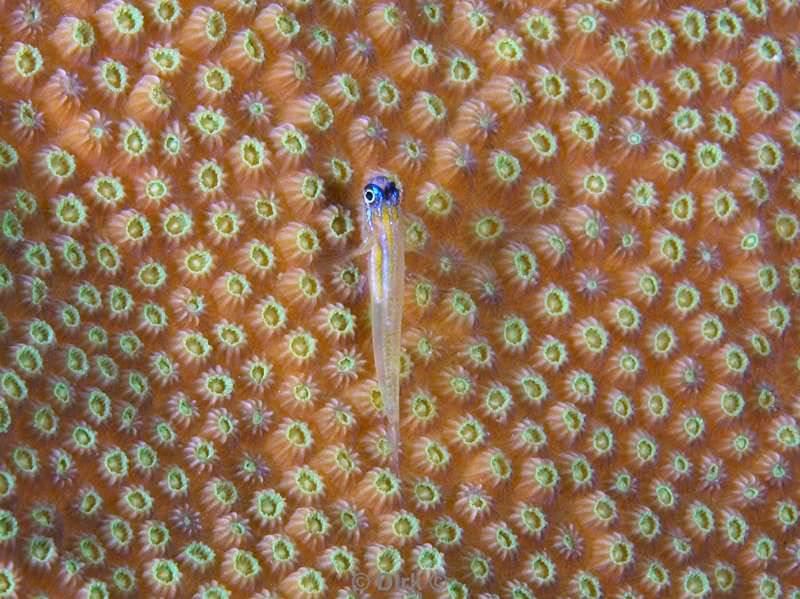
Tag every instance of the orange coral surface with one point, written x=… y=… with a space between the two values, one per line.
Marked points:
x=601 y=361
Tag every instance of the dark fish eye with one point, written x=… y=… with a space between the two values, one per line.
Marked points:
x=394 y=193
x=371 y=195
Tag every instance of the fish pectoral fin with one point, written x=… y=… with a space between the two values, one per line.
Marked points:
x=361 y=250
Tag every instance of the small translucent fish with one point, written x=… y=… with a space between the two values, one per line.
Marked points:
x=384 y=240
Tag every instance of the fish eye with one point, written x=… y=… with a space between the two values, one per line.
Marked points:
x=369 y=196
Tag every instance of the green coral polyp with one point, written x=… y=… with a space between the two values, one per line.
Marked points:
x=172 y=145
x=508 y=49
x=218 y=80
x=41 y=333
x=135 y=141
x=321 y=115
x=28 y=360
x=515 y=333
x=9 y=157
x=11 y=227
x=490 y=228
x=8 y=483
x=462 y=71
x=138 y=501
x=165 y=59
x=709 y=156
x=28 y=60
x=209 y=177
x=586 y=129
x=71 y=211
x=151 y=276
x=90 y=503
x=42 y=551
x=323 y=39
x=769 y=156
x=199 y=262
x=60 y=164
x=422 y=55
x=506 y=167
x=114 y=76
x=302 y=345
x=294 y=141
x=127 y=19
x=788 y=436
x=215 y=26
x=687 y=81
x=595 y=184
x=435 y=107
x=544 y=144
x=386 y=93
x=198 y=555
x=439 y=202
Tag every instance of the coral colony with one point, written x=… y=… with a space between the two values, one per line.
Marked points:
x=599 y=362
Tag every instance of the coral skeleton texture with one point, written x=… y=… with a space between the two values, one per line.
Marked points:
x=600 y=369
